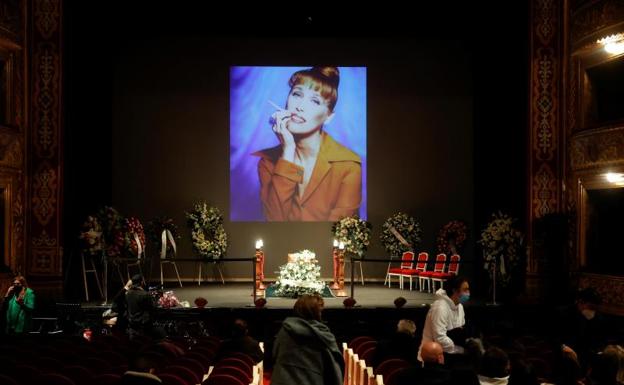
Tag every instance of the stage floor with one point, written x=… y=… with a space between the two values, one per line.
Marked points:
x=239 y=295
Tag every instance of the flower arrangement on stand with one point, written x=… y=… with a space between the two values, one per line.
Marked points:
x=112 y=230
x=354 y=232
x=452 y=237
x=502 y=247
x=407 y=227
x=91 y=236
x=301 y=275
x=168 y=300
x=154 y=231
x=132 y=226
x=207 y=232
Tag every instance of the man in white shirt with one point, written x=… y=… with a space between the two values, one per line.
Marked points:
x=446 y=315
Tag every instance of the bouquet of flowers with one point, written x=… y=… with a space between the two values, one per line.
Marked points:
x=207 y=232
x=155 y=229
x=406 y=227
x=354 y=232
x=502 y=246
x=451 y=237
x=168 y=300
x=112 y=229
x=91 y=236
x=132 y=226
x=300 y=276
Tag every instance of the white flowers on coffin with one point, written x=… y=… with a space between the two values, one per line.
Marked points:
x=301 y=275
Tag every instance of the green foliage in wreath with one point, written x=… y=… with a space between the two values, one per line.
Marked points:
x=408 y=227
x=207 y=233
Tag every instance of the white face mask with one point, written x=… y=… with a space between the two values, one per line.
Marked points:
x=588 y=313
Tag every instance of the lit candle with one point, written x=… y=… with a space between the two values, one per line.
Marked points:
x=341 y=245
x=259 y=244
x=335 y=243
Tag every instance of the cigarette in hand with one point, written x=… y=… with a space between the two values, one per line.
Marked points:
x=275 y=106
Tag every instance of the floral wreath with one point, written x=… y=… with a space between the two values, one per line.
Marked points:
x=452 y=237
x=354 y=232
x=91 y=236
x=132 y=227
x=302 y=275
x=155 y=228
x=207 y=233
x=112 y=230
x=502 y=245
x=407 y=227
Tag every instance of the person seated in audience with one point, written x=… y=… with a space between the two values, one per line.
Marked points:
x=402 y=344
x=495 y=367
x=19 y=302
x=305 y=350
x=604 y=368
x=445 y=319
x=241 y=342
x=580 y=329
x=140 y=372
x=141 y=308
x=432 y=372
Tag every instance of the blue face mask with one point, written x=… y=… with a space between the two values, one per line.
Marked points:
x=464 y=297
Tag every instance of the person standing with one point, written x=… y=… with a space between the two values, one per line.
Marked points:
x=20 y=303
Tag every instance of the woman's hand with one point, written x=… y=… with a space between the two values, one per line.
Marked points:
x=280 y=121
x=9 y=292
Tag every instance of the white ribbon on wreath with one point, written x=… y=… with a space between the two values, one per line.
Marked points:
x=140 y=249
x=166 y=234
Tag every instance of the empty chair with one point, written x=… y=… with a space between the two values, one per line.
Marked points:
x=234 y=372
x=364 y=346
x=172 y=379
x=421 y=267
x=389 y=366
x=368 y=354
x=357 y=341
x=223 y=379
x=438 y=268
x=54 y=379
x=184 y=373
x=452 y=270
x=240 y=356
x=407 y=263
x=191 y=364
x=236 y=363
x=105 y=379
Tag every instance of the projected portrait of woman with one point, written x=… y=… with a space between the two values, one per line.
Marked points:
x=308 y=175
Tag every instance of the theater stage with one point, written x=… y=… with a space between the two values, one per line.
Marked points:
x=239 y=295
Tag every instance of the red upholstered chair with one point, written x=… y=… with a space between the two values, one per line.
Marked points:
x=191 y=364
x=421 y=267
x=453 y=269
x=54 y=379
x=407 y=263
x=172 y=379
x=104 y=379
x=364 y=346
x=368 y=355
x=184 y=373
x=357 y=341
x=222 y=379
x=236 y=363
x=438 y=268
x=78 y=374
x=202 y=359
x=390 y=365
x=234 y=372
x=46 y=364
x=97 y=365
x=240 y=356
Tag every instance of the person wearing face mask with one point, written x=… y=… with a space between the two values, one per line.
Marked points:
x=445 y=319
x=580 y=329
x=309 y=176
x=20 y=303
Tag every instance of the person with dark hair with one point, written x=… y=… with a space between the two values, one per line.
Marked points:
x=580 y=330
x=604 y=367
x=305 y=351
x=309 y=176
x=140 y=372
x=495 y=367
x=141 y=308
x=241 y=342
x=445 y=319
x=19 y=302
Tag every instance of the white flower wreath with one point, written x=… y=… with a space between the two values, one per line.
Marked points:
x=207 y=232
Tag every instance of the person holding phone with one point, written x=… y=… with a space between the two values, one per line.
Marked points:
x=20 y=302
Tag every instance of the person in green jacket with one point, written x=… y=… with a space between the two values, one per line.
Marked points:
x=20 y=303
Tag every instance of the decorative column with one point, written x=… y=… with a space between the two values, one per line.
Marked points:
x=45 y=251
x=259 y=268
x=546 y=139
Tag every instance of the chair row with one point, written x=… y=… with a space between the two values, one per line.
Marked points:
x=357 y=372
x=441 y=272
